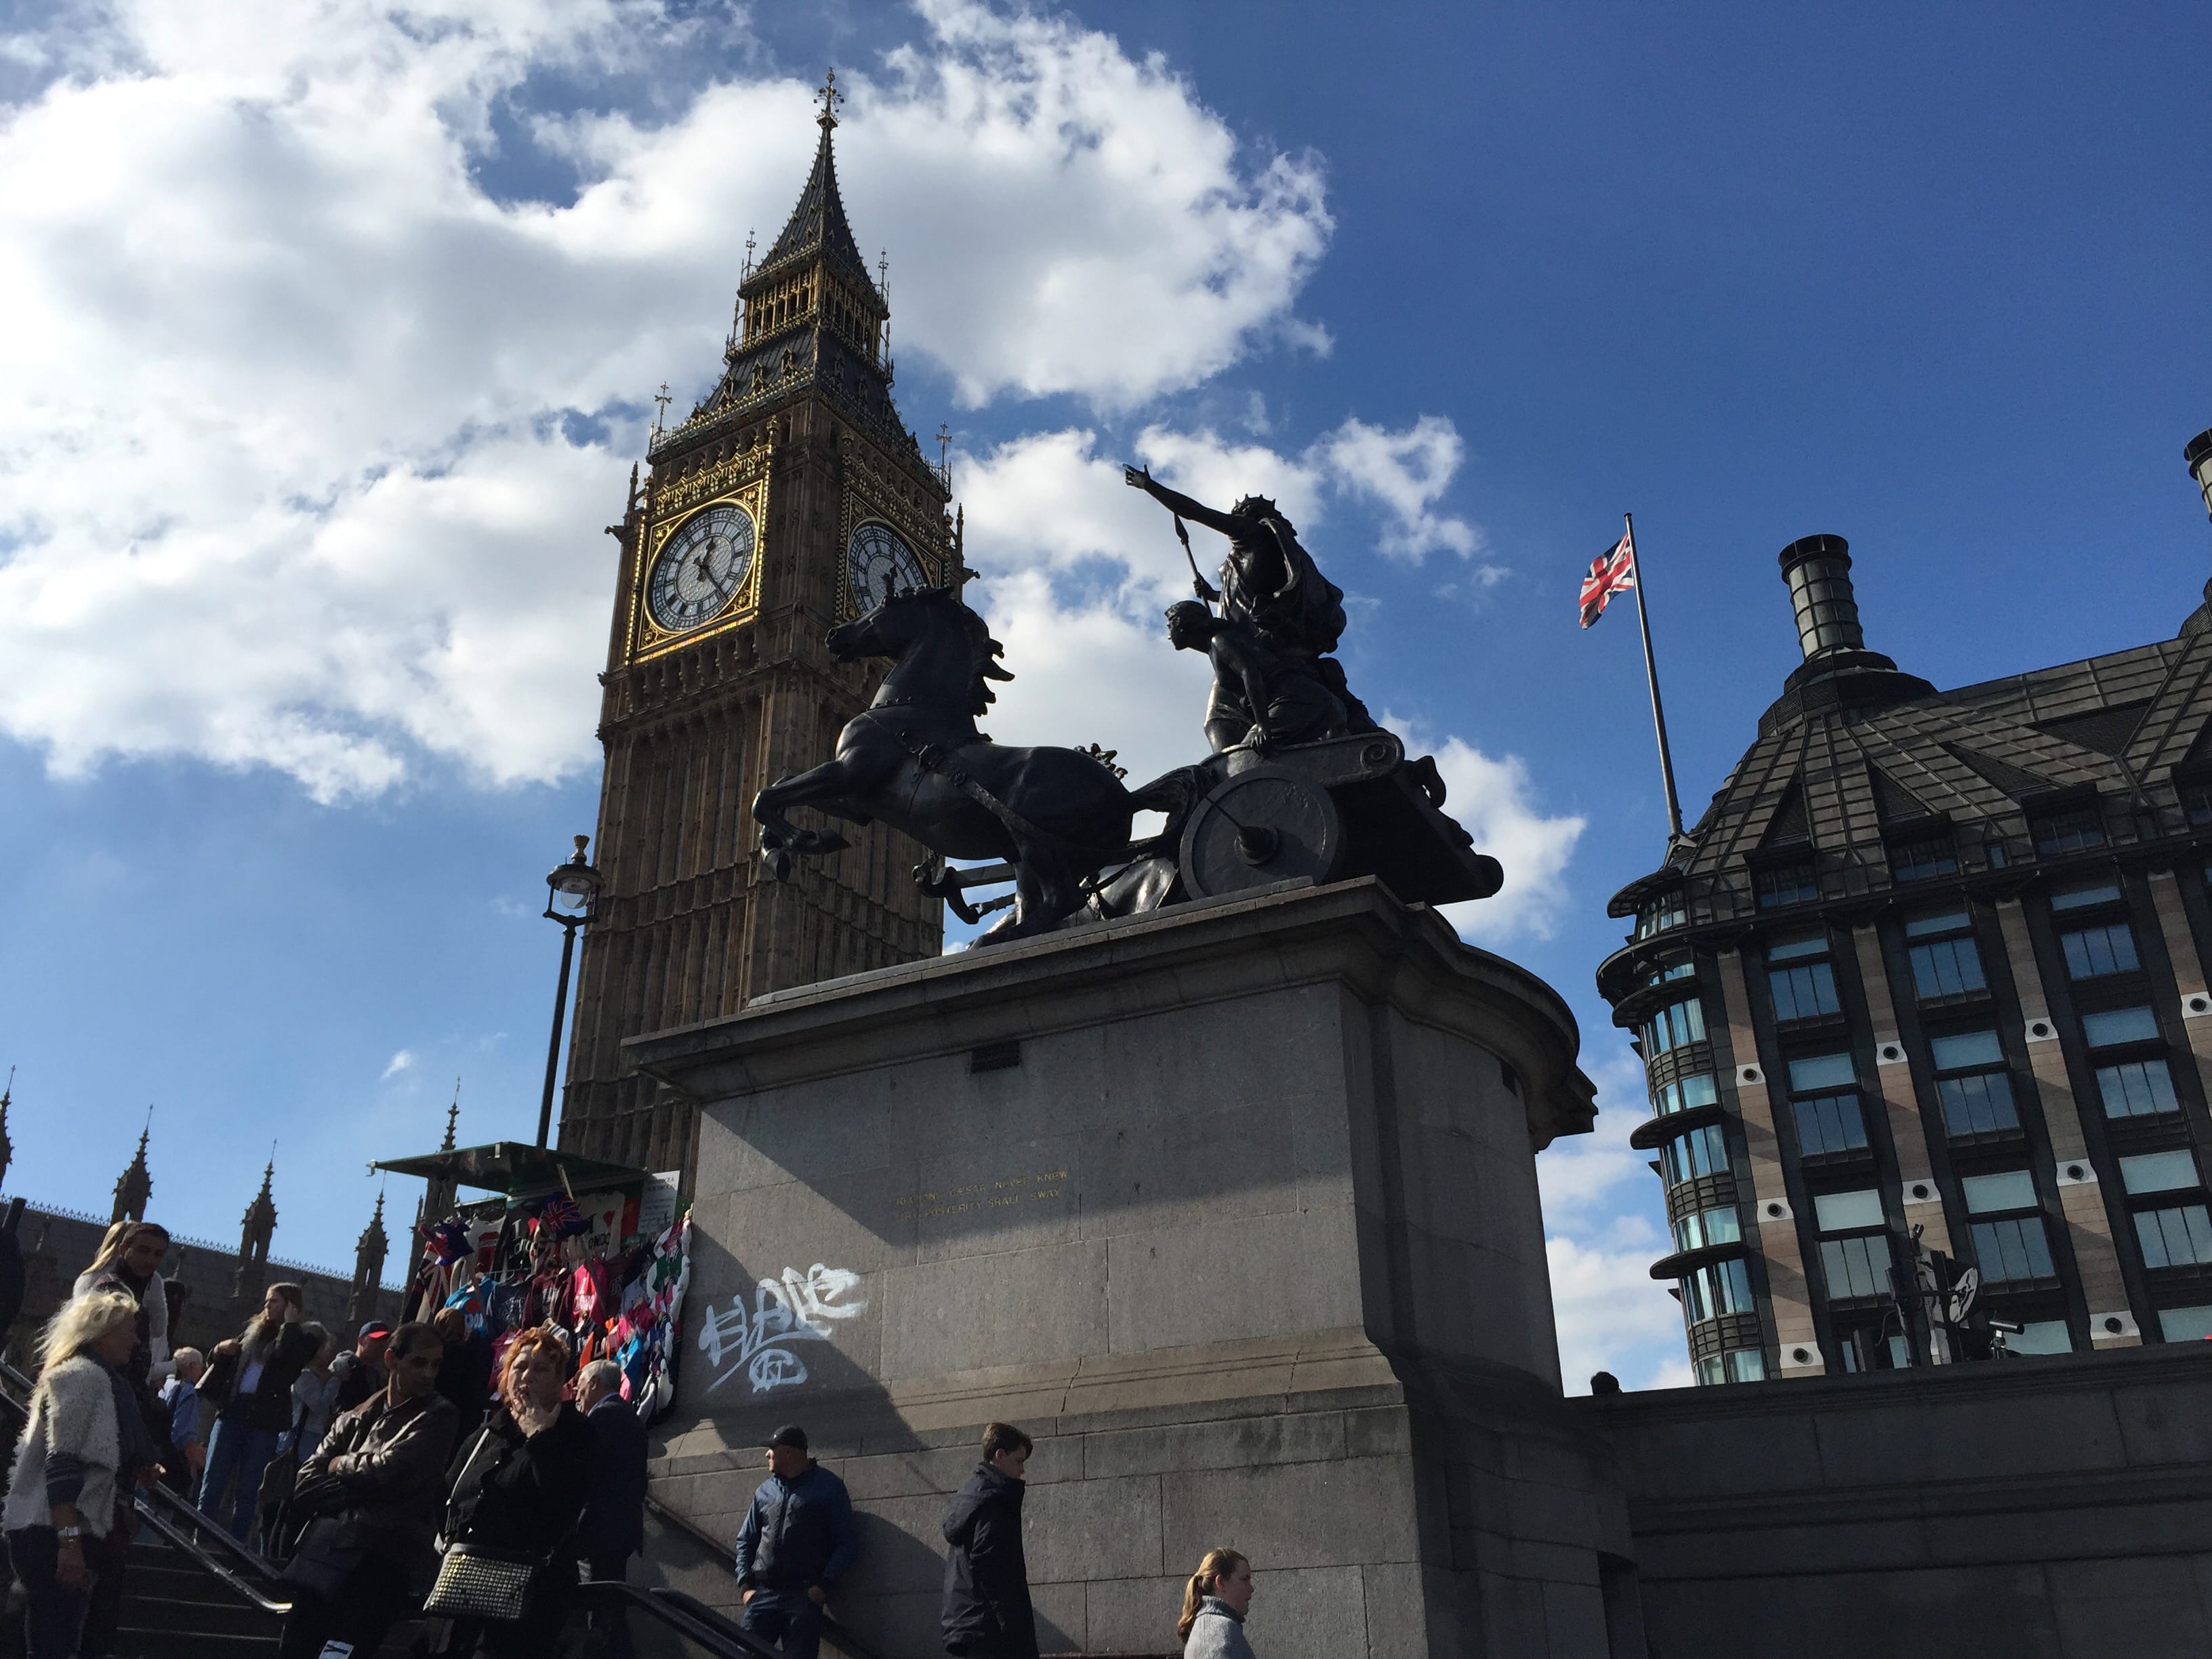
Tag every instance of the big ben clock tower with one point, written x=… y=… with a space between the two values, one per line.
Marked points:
x=790 y=493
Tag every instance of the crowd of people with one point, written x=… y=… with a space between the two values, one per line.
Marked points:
x=408 y=1475
x=418 y=1473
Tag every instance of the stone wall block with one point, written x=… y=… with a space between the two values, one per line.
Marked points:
x=1364 y=1504
x=1079 y=1529
x=1234 y=1442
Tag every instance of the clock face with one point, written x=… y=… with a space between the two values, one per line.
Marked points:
x=701 y=568
x=877 y=552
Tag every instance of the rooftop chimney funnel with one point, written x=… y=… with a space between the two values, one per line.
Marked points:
x=2198 y=455
x=1818 y=571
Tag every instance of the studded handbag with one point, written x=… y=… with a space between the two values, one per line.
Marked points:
x=476 y=1582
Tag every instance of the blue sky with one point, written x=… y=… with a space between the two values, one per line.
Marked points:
x=337 y=326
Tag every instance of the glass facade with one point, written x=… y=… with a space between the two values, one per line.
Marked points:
x=1684 y=1094
x=2137 y=1088
x=2110 y=948
x=1736 y=1365
x=1717 y=1288
x=1718 y=1225
x=1778 y=884
x=2178 y=1236
x=1703 y=1151
x=2012 y=1250
x=1672 y=1026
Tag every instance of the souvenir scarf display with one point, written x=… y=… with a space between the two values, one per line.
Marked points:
x=577 y=1264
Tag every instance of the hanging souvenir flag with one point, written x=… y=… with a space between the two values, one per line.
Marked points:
x=561 y=1216
x=448 y=1241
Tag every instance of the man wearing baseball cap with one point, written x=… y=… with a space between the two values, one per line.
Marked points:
x=797 y=1542
x=360 y=1373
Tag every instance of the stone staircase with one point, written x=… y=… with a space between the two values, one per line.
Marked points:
x=174 y=1609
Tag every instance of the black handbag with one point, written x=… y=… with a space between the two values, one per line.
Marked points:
x=329 y=1551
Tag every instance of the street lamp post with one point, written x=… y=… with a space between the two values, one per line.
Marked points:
x=569 y=890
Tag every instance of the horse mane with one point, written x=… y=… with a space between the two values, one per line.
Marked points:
x=983 y=651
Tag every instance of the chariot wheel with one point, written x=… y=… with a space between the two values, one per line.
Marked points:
x=1263 y=826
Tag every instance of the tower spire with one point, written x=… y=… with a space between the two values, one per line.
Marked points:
x=369 y=1266
x=258 y=1228
x=135 y=1186
x=7 y=1146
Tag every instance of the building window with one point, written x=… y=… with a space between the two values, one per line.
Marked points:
x=1855 y=1268
x=1873 y=1349
x=2106 y=892
x=2178 y=1237
x=2040 y=1336
x=1685 y=1093
x=2070 y=830
x=2008 y=1189
x=1656 y=915
x=1976 y=1102
x=1804 y=990
x=1669 y=968
x=1718 y=1225
x=1842 y=1212
x=1945 y=962
x=2197 y=802
x=1717 y=1288
x=2185 y=1324
x=1778 y=884
x=2137 y=1088
x=1829 y=1123
x=1672 y=1026
x=1736 y=1365
x=2159 y=1172
x=1822 y=1072
x=2112 y=1027
x=1922 y=857
x=2012 y=1249
x=1703 y=1151
x=2110 y=948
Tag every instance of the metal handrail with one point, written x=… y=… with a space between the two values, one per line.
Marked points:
x=183 y=1541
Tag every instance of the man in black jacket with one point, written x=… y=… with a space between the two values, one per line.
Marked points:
x=986 y=1577
x=796 y=1543
x=613 y=1527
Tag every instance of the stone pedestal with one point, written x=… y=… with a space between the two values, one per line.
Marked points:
x=1234 y=1209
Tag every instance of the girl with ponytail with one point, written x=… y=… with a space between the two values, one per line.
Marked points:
x=1214 y=1603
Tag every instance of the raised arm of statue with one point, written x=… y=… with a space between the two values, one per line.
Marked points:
x=1174 y=500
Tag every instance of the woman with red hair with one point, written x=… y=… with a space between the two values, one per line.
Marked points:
x=518 y=1489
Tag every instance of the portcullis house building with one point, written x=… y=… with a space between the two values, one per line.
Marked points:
x=1922 y=1003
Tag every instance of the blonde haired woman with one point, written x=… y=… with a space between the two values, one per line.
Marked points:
x=83 y=1445
x=1214 y=1603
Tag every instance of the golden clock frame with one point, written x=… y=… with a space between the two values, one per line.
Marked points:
x=740 y=482
x=868 y=494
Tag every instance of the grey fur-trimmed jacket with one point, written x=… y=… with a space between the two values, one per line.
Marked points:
x=72 y=1412
x=1217 y=1633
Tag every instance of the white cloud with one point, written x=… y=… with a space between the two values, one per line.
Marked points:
x=1405 y=473
x=286 y=480
x=1604 y=1229
x=402 y=1062
x=1495 y=799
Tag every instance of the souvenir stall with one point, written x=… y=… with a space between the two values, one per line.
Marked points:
x=599 y=1251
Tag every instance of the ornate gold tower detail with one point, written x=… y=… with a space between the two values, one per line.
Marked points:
x=782 y=505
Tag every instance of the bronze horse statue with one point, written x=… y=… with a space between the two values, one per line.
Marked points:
x=914 y=759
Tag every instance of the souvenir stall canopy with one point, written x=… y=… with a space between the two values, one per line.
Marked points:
x=599 y=1251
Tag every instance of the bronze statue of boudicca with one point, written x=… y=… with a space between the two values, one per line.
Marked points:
x=1299 y=785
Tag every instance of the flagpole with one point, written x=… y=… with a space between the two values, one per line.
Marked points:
x=1651 y=674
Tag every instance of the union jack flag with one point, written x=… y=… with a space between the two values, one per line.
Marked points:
x=562 y=1218
x=1612 y=572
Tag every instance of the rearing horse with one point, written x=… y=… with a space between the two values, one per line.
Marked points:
x=914 y=759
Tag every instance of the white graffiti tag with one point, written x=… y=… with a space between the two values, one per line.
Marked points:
x=796 y=1308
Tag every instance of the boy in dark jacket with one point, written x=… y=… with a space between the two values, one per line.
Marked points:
x=796 y=1543
x=986 y=1577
